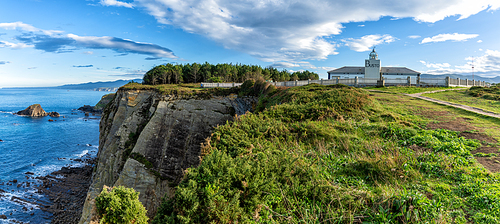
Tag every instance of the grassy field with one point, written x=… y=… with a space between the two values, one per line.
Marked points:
x=462 y=97
x=336 y=154
x=407 y=89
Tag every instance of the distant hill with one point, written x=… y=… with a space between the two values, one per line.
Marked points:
x=98 y=86
x=454 y=76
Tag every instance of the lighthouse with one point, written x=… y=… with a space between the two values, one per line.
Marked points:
x=372 y=66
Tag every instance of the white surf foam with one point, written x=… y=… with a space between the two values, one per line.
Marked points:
x=84 y=152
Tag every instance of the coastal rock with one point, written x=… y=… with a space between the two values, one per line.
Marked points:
x=54 y=114
x=34 y=110
x=3 y=217
x=98 y=108
x=147 y=141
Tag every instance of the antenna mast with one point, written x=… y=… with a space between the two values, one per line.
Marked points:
x=472 y=68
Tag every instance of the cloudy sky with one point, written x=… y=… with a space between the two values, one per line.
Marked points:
x=55 y=42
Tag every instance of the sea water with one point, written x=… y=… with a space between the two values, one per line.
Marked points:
x=41 y=146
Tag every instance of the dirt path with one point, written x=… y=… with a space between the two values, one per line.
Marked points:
x=460 y=106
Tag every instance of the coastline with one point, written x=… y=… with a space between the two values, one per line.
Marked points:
x=67 y=189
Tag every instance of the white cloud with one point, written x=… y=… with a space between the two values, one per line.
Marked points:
x=435 y=65
x=58 y=42
x=122 y=45
x=4 y=62
x=448 y=36
x=14 y=45
x=361 y=25
x=27 y=27
x=487 y=63
x=479 y=41
x=116 y=3
x=284 y=65
x=88 y=52
x=365 y=43
x=277 y=30
x=414 y=36
x=463 y=8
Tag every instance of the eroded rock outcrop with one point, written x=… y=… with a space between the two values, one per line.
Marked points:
x=36 y=110
x=98 y=108
x=148 y=140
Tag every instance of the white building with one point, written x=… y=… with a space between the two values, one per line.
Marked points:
x=373 y=70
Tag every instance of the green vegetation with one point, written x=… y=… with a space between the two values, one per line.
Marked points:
x=335 y=154
x=489 y=93
x=193 y=73
x=104 y=101
x=121 y=205
x=408 y=89
x=467 y=98
x=184 y=89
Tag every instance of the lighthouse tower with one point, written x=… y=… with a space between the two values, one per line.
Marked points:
x=372 y=66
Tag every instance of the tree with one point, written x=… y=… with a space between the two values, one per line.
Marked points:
x=121 y=205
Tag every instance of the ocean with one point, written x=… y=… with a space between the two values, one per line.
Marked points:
x=40 y=146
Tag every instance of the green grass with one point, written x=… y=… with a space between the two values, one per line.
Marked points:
x=335 y=154
x=462 y=97
x=184 y=89
x=407 y=89
x=490 y=93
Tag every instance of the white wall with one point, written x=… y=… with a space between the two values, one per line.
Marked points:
x=372 y=68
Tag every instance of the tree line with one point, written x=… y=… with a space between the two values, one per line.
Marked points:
x=193 y=73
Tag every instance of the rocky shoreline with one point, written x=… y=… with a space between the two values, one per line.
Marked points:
x=67 y=189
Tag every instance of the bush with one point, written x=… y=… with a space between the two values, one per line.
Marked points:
x=120 y=205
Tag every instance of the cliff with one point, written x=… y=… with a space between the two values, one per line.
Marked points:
x=148 y=139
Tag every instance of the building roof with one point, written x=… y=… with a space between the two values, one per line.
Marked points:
x=348 y=69
x=361 y=70
x=397 y=70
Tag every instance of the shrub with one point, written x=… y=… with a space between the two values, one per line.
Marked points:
x=121 y=205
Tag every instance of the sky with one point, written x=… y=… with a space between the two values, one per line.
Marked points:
x=56 y=42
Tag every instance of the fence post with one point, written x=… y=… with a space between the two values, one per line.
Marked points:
x=356 y=81
x=447 y=81
x=418 y=81
x=321 y=81
x=295 y=82
x=309 y=81
x=458 y=82
x=466 y=82
x=233 y=84
x=218 y=84
x=338 y=79
x=409 y=80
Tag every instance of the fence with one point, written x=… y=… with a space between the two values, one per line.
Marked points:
x=362 y=82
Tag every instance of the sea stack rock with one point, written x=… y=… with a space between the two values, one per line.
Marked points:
x=34 y=110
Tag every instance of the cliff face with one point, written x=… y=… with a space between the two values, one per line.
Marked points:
x=147 y=140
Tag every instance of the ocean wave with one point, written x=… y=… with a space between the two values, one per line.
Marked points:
x=47 y=169
x=7 y=112
x=82 y=154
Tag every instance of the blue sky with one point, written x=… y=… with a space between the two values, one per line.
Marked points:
x=55 y=42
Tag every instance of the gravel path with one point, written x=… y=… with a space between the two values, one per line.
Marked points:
x=460 y=106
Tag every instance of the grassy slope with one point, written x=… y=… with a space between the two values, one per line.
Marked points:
x=406 y=89
x=463 y=97
x=326 y=154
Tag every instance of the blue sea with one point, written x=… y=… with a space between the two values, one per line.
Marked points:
x=39 y=146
